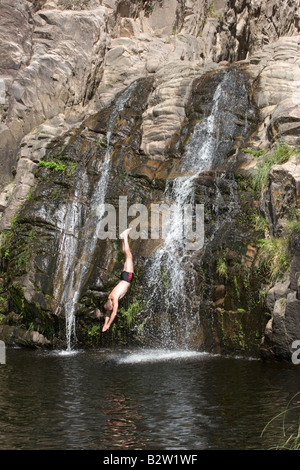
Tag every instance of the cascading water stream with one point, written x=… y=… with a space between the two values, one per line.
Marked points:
x=79 y=233
x=69 y=222
x=170 y=272
x=77 y=246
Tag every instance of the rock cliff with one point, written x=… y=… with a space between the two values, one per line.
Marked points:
x=64 y=75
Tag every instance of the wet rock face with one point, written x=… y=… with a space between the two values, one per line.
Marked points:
x=234 y=114
x=56 y=232
x=56 y=255
x=122 y=78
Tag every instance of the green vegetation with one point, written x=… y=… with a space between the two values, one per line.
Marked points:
x=293 y=226
x=53 y=165
x=291 y=432
x=280 y=155
x=235 y=336
x=102 y=144
x=130 y=314
x=127 y=321
x=274 y=252
x=222 y=268
x=211 y=9
x=17 y=295
x=236 y=287
x=93 y=332
x=275 y=256
x=293 y=220
x=258 y=222
x=256 y=153
x=5 y=239
x=58 y=166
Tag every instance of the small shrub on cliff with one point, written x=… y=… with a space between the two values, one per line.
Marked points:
x=52 y=165
x=259 y=223
x=280 y=155
x=255 y=153
x=211 y=10
x=293 y=220
x=294 y=226
x=275 y=256
x=69 y=168
x=222 y=268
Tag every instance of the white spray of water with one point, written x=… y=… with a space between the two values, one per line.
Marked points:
x=159 y=355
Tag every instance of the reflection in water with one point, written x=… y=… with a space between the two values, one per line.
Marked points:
x=149 y=400
x=122 y=425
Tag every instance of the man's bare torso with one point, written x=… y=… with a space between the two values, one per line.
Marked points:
x=119 y=290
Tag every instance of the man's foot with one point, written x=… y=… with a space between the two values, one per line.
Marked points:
x=125 y=233
x=105 y=328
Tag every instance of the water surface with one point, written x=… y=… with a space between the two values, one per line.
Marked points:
x=134 y=400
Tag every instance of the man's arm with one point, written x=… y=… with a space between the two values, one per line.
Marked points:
x=114 y=311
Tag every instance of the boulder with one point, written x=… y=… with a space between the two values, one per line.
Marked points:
x=18 y=336
x=282 y=194
x=283 y=329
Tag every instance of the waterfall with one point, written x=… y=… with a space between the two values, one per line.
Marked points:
x=78 y=226
x=169 y=273
x=78 y=244
x=69 y=221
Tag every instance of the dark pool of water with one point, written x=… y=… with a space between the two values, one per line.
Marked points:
x=135 y=400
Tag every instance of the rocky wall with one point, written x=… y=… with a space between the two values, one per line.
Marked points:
x=64 y=70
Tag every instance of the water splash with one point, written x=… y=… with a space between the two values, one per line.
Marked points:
x=159 y=355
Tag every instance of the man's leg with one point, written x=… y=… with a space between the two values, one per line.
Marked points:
x=128 y=265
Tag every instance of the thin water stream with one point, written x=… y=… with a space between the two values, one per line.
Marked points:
x=79 y=231
x=142 y=400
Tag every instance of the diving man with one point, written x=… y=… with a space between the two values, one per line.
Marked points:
x=111 y=306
